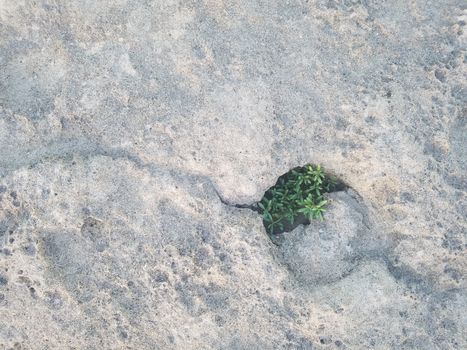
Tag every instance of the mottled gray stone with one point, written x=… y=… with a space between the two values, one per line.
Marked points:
x=131 y=129
x=324 y=251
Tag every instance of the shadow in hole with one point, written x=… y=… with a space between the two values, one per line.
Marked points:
x=300 y=219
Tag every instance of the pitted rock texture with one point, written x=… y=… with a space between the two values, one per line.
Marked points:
x=326 y=251
x=129 y=130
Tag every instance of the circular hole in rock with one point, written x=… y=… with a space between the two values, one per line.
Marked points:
x=297 y=198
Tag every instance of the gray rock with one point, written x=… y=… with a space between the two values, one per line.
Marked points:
x=131 y=130
x=324 y=251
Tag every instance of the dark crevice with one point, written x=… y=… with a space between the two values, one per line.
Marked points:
x=330 y=183
x=334 y=185
x=228 y=204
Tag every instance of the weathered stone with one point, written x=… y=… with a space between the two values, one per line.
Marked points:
x=324 y=251
x=129 y=130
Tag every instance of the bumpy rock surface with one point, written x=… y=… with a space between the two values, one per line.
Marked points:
x=327 y=251
x=130 y=129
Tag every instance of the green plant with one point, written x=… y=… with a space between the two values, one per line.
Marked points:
x=297 y=193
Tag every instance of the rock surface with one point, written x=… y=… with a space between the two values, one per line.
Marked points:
x=326 y=251
x=130 y=129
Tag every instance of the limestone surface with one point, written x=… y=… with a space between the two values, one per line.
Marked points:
x=135 y=133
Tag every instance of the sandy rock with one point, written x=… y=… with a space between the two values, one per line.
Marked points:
x=327 y=251
x=131 y=130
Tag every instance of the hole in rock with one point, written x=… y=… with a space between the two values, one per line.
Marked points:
x=298 y=197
